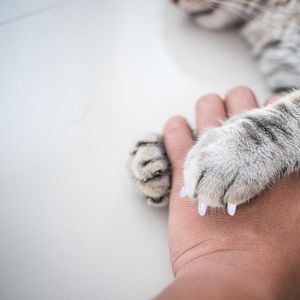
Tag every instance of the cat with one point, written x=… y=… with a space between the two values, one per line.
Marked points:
x=233 y=163
x=271 y=27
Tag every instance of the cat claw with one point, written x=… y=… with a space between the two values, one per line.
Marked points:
x=201 y=208
x=183 y=192
x=231 y=209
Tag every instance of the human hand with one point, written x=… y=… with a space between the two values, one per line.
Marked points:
x=258 y=249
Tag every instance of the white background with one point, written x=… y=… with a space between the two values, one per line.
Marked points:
x=79 y=81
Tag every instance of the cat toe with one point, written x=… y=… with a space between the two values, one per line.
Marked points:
x=223 y=169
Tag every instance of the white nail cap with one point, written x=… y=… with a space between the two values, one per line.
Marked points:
x=231 y=209
x=183 y=192
x=201 y=208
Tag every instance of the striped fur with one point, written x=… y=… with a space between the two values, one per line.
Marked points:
x=237 y=161
x=247 y=154
x=271 y=27
x=150 y=169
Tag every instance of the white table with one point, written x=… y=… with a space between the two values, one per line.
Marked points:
x=79 y=80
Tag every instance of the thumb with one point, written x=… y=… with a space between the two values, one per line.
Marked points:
x=183 y=217
x=178 y=140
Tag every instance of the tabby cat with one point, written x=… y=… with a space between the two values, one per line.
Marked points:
x=231 y=164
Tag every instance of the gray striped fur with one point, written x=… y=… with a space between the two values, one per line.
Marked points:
x=237 y=161
x=271 y=27
x=247 y=154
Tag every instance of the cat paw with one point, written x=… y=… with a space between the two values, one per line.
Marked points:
x=150 y=169
x=230 y=165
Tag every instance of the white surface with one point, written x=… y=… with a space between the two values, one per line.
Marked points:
x=78 y=82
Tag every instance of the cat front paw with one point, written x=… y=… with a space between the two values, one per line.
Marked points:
x=150 y=169
x=230 y=165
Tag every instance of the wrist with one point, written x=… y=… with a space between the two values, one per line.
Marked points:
x=217 y=277
x=233 y=274
x=238 y=273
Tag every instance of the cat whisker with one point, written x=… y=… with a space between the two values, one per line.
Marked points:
x=238 y=11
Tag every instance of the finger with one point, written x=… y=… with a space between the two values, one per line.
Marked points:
x=210 y=112
x=182 y=214
x=239 y=99
x=178 y=140
x=271 y=100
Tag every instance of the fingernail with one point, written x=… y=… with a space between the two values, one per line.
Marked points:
x=183 y=192
x=201 y=208
x=231 y=209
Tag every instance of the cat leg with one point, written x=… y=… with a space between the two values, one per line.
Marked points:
x=150 y=169
x=234 y=163
x=275 y=41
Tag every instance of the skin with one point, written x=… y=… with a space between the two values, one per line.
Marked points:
x=253 y=255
